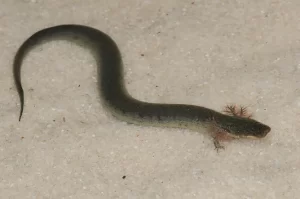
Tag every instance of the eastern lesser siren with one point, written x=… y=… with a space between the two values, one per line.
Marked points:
x=115 y=96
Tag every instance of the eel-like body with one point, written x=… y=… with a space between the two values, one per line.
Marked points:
x=115 y=96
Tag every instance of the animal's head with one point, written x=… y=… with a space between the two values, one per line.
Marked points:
x=242 y=127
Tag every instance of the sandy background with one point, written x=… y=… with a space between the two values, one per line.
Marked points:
x=207 y=53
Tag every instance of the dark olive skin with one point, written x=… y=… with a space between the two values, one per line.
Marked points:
x=115 y=96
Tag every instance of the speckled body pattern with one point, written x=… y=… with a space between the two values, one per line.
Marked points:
x=116 y=98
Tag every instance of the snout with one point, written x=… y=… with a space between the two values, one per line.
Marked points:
x=265 y=131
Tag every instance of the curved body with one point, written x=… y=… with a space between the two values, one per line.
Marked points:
x=115 y=96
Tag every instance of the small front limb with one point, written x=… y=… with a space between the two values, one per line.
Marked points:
x=218 y=145
x=218 y=136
